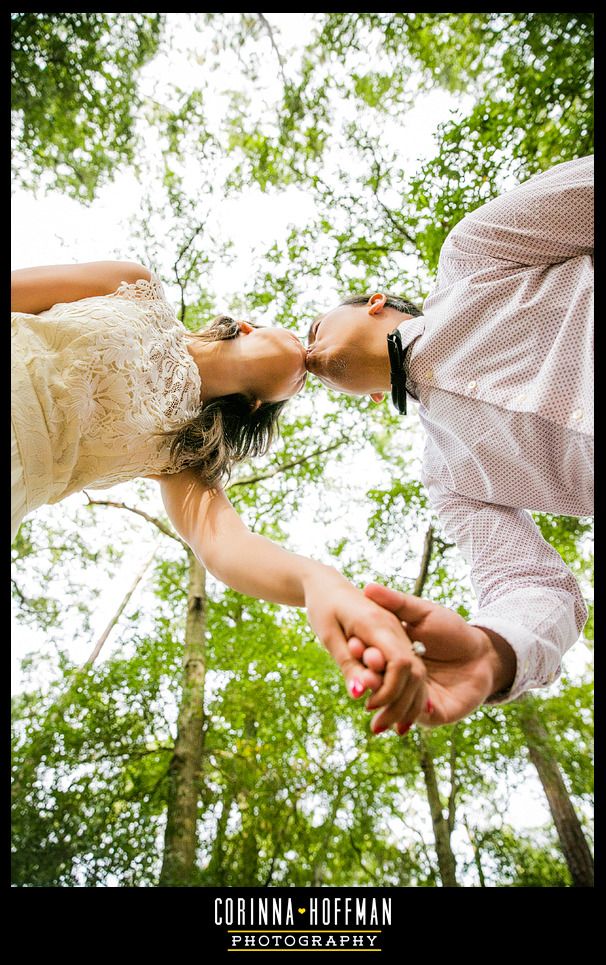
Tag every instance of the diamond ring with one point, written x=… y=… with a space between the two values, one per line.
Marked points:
x=419 y=648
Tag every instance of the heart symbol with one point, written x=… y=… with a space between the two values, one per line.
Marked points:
x=301 y=911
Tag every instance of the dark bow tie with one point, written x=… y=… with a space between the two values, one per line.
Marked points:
x=398 y=370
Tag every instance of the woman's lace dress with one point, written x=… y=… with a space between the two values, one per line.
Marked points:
x=93 y=381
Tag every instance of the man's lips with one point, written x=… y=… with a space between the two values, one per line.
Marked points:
x=309 y=360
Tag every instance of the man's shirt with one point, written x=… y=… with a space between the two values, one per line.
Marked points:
x=502 y=366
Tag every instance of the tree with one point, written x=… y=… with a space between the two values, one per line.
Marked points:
x=180 y=839
x=74 y=96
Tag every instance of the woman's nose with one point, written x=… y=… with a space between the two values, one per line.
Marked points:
x=300 y=347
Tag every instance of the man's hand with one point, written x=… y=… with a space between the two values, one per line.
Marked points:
x=336 y=611
x=464 y=664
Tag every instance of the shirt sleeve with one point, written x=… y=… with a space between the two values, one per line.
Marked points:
x=525 y=591
x=544 y=220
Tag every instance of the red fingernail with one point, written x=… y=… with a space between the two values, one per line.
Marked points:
x=379 y=730
x=429 y=707
x=356 y=689
x=404 y=728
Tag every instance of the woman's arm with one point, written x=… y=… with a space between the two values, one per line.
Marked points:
x=35 y=290
x=247 y=562
x=336 y=610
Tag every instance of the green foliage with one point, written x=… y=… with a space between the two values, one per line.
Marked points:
x=89 y=759
x=38 y=554
x=515 y=860
x=529 y=77
x=74 y=95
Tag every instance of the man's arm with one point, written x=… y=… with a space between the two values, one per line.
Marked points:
x=527 y=596
x=544 y=220
x=35 y=290
x=530 y=610
x=336 y=610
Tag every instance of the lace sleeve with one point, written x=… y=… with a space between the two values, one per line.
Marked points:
x=142 y=290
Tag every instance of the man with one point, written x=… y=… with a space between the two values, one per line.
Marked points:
x=501 y=364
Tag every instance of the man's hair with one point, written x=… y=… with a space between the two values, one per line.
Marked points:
x=225 y=430
x=391 y=301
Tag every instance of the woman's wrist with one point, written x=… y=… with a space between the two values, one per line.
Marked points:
x=315 y=575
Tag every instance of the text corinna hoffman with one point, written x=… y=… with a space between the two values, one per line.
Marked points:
x=307 y=913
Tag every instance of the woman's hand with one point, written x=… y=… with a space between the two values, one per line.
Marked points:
x=336 y=611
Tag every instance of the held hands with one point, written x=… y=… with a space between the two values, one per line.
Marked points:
x=464 y=664
x=338 y=612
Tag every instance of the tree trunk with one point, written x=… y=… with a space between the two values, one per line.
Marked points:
x=214 y=873
x=446 y=859
x=180 y=838
x=572 y=840
x=447 y=865
x=319 y=862
x=477 y=857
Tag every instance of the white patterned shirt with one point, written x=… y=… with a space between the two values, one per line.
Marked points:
x=502 y=366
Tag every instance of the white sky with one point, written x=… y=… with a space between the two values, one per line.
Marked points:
x=54 y=229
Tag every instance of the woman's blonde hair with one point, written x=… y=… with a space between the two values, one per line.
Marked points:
x=226 y=430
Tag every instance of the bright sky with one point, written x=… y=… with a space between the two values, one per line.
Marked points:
x=53 y=229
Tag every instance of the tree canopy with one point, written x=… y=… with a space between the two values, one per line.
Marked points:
x=75 y=97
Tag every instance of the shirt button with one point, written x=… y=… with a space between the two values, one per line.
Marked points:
x=472 y=386
x=428 y=375
x=526 y=666
x=577 y=415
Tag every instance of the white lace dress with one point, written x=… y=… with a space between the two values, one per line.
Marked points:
x=93 y=383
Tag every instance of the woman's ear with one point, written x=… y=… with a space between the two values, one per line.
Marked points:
x=256 y=405
x=245 y=328
x=376 y=302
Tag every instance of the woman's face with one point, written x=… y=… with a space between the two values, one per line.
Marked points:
x=275 y=360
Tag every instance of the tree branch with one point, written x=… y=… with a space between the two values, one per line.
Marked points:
x=372 y=875
x=453 y=782
x=476 y=852
x=138 y=512
x=349 y=249
x=180 y=254
x=187 y=245
x=114 y=620
x=393 y=220
x=427 y=548
x=268 y=27
x=375 y=190
x=19 y=593
x=250 y=480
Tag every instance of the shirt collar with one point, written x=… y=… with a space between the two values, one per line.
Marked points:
x=411 y=329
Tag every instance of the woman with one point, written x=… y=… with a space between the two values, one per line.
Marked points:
x=108 y=385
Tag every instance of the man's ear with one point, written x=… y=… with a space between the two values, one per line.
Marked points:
x=245 y=328
x=376 y=302
x=377 y=396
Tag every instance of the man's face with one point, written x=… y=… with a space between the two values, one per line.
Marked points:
x=342 y=344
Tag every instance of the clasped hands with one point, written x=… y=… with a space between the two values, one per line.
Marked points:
x=369 y=635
